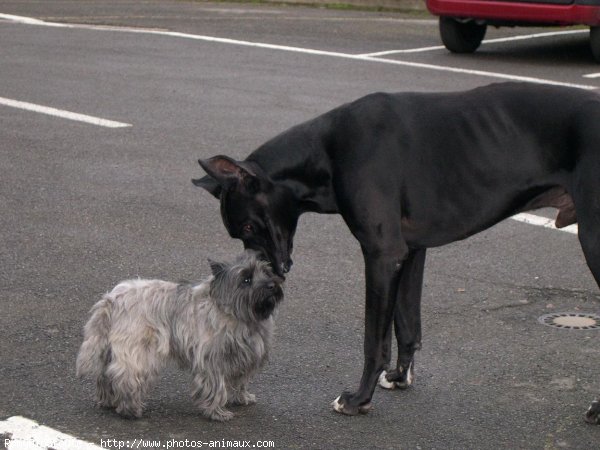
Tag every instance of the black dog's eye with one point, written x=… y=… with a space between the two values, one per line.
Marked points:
x=247 y=280
x=248 y=228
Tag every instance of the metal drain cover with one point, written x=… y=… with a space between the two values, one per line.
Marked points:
x=571 y=321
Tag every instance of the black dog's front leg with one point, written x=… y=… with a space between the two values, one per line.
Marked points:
x=407 y=323
x=382 y=273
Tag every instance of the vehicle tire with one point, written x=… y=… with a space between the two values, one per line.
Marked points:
x=595 y=42
x=461 y=37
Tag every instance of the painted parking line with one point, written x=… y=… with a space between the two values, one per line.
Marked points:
x=522 y=37
x=22 y=19
x=523 y=217
x=20 y=433
x=525 y=37
x=308 y=51
x=62 y=113
x=544 y=222
x=402 y=51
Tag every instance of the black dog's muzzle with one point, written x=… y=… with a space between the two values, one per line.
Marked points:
x=286 y=266
x=279 y=268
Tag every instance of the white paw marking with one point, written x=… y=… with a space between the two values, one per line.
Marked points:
x=384 y=383
x=337 y=406
x=410 y=376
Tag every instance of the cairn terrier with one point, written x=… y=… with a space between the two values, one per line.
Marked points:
x=219 y=329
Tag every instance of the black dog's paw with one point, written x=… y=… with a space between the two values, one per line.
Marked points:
x=397 y=379
x=345 y=404
x=593 y=413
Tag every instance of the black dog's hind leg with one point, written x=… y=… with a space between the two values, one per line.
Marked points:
x=585 y=196
x=407 y=323
x=589 y=236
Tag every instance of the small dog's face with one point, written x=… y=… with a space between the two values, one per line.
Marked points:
x=247 y=288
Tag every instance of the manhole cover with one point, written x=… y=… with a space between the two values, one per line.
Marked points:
x=571 y=321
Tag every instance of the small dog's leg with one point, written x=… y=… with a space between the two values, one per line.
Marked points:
x=128 y=388
x=243 y=398
x=210 y=396
x=104 y=392
x=129 y=407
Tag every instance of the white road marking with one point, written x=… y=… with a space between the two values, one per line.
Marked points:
x=407 y=50
x=524 y=37
x=62 y=113
x=592 y=75
x=481 y=73
x=540 y=221
x=523 y=217
x=20 y=433
x=487 y=41
x=25 y=20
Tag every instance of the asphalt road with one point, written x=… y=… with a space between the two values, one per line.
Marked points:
x=85 y=206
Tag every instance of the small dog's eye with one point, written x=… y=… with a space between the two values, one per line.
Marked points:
x=248 y=228
x=247 y=280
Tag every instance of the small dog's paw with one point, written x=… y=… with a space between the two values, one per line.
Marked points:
x=129 y=412
x=247 y=399
x=105 y=404
x=593 y=413
x=342 y=406
x=243 y=399
x=220 y=415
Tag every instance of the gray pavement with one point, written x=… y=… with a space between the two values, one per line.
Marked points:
x=85 y=206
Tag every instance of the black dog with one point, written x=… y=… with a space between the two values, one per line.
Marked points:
x=411 y=171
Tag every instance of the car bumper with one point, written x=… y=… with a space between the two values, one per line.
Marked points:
x=586 y=12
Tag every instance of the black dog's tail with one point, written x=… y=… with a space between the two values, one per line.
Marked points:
x=94 y=353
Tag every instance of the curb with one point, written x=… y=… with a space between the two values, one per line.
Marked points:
x=377 y=5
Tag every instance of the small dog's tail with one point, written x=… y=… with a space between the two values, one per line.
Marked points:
x=94 y=353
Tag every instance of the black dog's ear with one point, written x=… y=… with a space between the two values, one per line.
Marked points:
x=216 y=268
x=227 y=171
x=224 y=169
x=210 y=184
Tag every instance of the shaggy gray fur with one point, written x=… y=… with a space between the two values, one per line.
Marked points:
x=219 y=329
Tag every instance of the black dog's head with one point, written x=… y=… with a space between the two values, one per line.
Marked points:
x=261 y=213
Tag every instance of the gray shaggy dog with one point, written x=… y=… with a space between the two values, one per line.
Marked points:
x=219 y=329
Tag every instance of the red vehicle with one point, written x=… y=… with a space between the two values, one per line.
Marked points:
x=463 y=22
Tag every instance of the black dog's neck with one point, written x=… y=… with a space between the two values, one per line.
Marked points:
x=305 y=170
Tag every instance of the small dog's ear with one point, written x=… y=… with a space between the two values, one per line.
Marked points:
x=217 y=268
x=210 y=184
x=227 y=171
